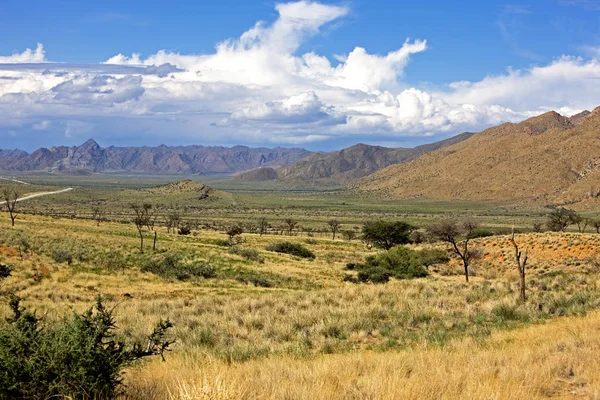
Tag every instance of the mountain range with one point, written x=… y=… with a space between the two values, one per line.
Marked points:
x=549 y=159
x=347 y=165
x=160 y=160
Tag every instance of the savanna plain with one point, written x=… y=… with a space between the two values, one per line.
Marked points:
x=277 y=293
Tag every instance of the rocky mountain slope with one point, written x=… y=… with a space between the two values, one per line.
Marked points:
x=352 y=163
x=159 y=160
x=546 y=159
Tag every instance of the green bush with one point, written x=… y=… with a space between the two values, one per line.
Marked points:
x=295 y=249
x=431 y=257
x=62 y=256
x=248 y=254
x=480 y=232
x=77 y=358
x=5 y=271
x=171 y=266
x=399 y=262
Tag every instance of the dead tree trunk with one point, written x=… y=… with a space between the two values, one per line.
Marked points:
x=521 y=263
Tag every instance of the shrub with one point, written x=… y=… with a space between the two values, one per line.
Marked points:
x=170 y=266
x=295 y=249
x=431 y=257
x=399 y=262
x=62 y=256
x=482 y=232
x=386 y=234
x=75 y=358
x=184 y=230
x=5 y=271
x=248 y=254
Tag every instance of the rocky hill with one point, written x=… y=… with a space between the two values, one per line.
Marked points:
x=261 y=174
x=160 y=160
x=546 y=159
x=347 y=165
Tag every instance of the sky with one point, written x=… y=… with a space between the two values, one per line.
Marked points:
x=319 y=75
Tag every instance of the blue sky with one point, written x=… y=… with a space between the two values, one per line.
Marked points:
x=319 y=75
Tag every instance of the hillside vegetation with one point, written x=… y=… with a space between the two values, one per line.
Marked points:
x=548 y=159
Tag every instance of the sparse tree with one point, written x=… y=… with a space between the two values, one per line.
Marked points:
x=537 y=227
x=233 y=232
x=10 y=197
x=560 y=219
x=172 y=220
x=334 y=227
x=596 y=225
x=386 y=234
x=291 y=224
x=581 y=222
x=263 y=226
x=98 y=214
x=521 y=264
x=458 y=236
x=349 y=235
x=142 y=220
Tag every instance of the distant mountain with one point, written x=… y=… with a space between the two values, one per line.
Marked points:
x=160 y=160
x=347 y=165
x=548 y=159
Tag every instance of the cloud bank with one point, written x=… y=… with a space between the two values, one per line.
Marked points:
x=258 y=89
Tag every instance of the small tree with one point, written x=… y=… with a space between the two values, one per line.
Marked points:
x=10 y=197
x=581 y=222
x=172 y=220
x=98 y=214
x=349 y=235
x=386 y=234
x=560 y=219
x=263 y=226
x=334 y=227
x=596 y=225
x=233 y=232
x=521 y=264
x=142 y=220
x=458 y=236
x=290 y=224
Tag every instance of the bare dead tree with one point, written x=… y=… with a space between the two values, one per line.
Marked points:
x=10 y=197
x=521 y=264
x=98 y=214
x=458 y=236
x=334 y=227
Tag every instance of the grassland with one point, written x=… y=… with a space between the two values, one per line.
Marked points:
x=274 y=326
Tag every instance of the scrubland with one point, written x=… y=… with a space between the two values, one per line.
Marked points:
x=251 y=323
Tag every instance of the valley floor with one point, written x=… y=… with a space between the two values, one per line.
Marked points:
x=255 y=324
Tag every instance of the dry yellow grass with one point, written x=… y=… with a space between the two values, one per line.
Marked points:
x=555 y=360
x=429 y=338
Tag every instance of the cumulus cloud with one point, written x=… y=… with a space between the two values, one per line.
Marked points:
x=257 y=89
x=28 y=56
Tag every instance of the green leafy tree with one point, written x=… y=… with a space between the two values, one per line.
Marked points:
x=560 y=219
x=386 y=234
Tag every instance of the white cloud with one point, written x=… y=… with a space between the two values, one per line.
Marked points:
x=257 y=89
x=28 y=56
